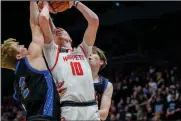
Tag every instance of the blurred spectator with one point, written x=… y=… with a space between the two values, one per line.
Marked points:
x=143 y=95
x=10 y=111
x=152 y=95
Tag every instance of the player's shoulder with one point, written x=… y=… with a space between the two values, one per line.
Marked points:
x=109 y=85
x=50 y=45
x=104 y=79
x=84 y=49
x=77 y=51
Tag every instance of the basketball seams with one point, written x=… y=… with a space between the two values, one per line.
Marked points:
x=54 y=4
x=59 y=6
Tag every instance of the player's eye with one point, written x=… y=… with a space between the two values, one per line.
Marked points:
x=22 y=46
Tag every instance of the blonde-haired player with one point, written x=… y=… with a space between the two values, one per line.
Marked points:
x=71 y=65
x=103 y=87
x=34 y=86
x=11 y=51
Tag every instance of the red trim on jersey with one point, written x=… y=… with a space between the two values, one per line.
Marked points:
x=72 y=49
x=83 y=50
x=62 y=119
x=57 y=56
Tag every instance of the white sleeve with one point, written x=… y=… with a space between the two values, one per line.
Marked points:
x=87 y=50
x=50 y=51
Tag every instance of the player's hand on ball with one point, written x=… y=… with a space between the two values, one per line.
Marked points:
x=71 y=3
x=51 y=10
x=40 y=6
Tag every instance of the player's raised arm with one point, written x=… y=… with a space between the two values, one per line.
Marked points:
x=34 y=13
x=40 y=6
x=52 y=25
x=44 y=21
x=93 y=23
x=35 y=47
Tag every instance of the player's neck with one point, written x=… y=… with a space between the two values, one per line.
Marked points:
x=95 y=75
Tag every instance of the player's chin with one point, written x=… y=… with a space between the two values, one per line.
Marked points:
x=63 y=38
x=91 y=63
x=60 y=42
x=25 y=52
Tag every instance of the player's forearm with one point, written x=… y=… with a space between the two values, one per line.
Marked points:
x=34 y=12
x=52 y=25
x=89 y=15
x=103 y=114
x=44 y=19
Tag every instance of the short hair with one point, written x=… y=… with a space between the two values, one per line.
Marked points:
x=101 y=54
x=8 y=53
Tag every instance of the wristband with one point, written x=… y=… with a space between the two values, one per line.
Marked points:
x=76 y=3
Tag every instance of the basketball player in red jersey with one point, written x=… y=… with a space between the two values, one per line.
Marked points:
x=103 y=88
x=71 y=65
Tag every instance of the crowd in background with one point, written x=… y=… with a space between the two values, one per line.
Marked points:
x=11 y=110
x=147 y=95
x=142 y=95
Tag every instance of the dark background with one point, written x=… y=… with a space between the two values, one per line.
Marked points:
x=131 y=33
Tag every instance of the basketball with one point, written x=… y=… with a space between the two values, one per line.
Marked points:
x=57 y=6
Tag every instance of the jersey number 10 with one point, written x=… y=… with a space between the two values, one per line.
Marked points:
x=76 y=68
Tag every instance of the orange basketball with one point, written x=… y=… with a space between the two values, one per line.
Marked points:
x=57 y=6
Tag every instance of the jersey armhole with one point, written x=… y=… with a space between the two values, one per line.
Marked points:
x=82 y=50
x=56 y=61
x=15 y=95
x=106 y=83
x=86 y=49
x=49 y=45
x=17 y=65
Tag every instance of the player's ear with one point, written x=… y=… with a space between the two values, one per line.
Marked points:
x=101 y=62
x=18 y=56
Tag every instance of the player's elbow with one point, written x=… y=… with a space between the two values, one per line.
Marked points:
x=104 y=115
x=94 y=21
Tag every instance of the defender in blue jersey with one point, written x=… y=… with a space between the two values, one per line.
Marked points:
x=34 y=86
x=103 y=88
